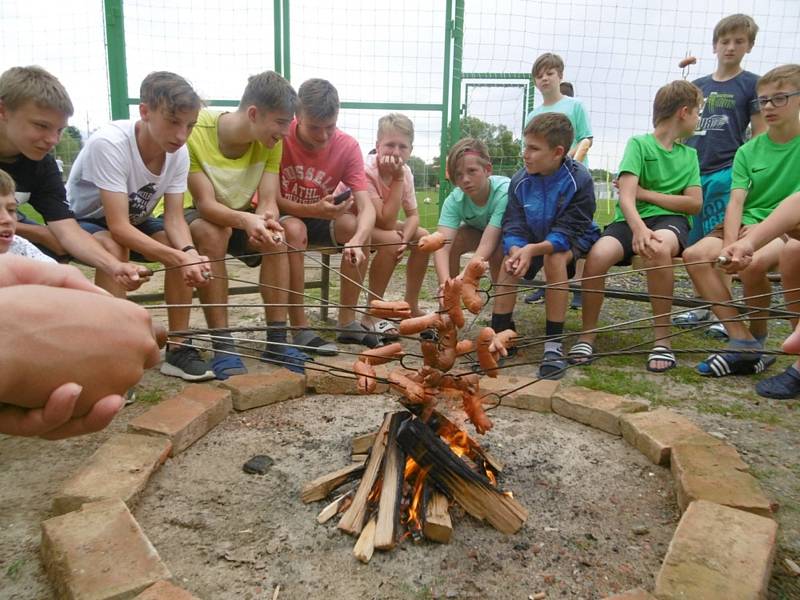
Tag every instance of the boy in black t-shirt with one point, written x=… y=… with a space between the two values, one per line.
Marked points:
x=34 y=108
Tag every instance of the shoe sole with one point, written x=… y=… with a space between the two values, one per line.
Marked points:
x=173 y=371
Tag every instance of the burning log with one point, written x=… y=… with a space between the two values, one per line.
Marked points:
x=322 y=486
x=472 y=491
x=391 y=487
x=437 y=525
x=352 y=521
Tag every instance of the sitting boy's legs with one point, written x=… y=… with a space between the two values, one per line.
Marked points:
x=416 y=268
x=786 y=385
x=757 y=287
x=606 y=252
x=465 y=240
x=660 y=284
x=556 y=299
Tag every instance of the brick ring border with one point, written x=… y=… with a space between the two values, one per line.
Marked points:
x=722 y=548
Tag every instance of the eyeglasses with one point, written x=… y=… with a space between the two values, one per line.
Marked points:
x=777 y=100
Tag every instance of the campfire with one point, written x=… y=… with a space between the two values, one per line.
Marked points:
x=420 y=462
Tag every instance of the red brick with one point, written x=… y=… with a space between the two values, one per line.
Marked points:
x=343 y=381
x=637 y=594
x=185 y=417
x=260 y=389
x=718 y=553
x=99 y=553
x=120 y=469
x=593 y=408
x=718 y=474
x=534 y=396
x=164 y=590
x=654 y=433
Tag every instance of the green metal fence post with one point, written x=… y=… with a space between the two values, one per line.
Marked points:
x=287 y=42
x=458 y=56
x=276 y=26
x=444 y=140
x=115 y=56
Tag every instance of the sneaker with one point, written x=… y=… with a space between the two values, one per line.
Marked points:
x=691 y=318
x=535 y=296
x=185 y=362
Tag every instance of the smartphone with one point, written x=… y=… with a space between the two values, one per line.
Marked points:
x=339 y=198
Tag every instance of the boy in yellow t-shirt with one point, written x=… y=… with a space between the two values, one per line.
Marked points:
x=234 y=155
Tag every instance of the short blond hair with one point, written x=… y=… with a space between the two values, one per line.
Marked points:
x=672 y=97
x=396 y=122
x=7 y=185
x=784 y=74
x=546 y=61
x=471 y=146
x=19 y=85
x=737 y=22
x=169 y=91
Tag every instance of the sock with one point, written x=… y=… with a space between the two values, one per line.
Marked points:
x=753 y=345
x=501 y=322
x=794 y=369
x=553 y=330
x=276 y=333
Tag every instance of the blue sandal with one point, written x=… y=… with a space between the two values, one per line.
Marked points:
x=285 y=356
x=226 y=365
x=784 y=386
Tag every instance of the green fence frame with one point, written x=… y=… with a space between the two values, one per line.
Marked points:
x=450 y=107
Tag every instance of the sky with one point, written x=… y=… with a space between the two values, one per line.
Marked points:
x=617 y=53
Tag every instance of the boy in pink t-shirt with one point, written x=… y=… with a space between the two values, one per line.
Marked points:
x=316 y=158
x=390 y=185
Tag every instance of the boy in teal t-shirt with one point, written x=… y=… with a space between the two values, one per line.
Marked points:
x=659 y=187
x=764 y=174
x=472 y=215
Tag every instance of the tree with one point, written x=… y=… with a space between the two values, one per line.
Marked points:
x=505 y=150
x=424 y=175
x=68 y=146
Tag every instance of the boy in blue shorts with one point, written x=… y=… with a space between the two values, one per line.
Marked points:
x=548 y=223
x=765 y=172
x=659 y=187
x=116 y=182
x=728 y=109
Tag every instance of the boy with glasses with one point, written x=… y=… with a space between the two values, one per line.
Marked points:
x=764 y=173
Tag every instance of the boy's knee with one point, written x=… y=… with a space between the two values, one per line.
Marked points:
x=295 y=232
x=211 y=238
x=112 y=247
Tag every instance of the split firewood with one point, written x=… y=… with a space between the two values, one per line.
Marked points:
x=472 y=491
x=322 y=486
x=334 y=508
x=437 y=526
x=391 y=487
x=362 y=443
x=359 y=457
x=365 y=546
x=352 y=521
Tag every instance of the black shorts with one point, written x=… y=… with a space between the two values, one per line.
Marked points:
x=321 y=232
x=622 y=232
x=237 y=244
x=537 y=262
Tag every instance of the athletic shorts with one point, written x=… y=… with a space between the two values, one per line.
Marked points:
x=716 y=194
x=622 y=232
x=537 y=262
x=237 y=243
x=149 y=226
x=718 y=232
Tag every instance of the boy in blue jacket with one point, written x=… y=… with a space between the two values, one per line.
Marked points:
x=548 y=223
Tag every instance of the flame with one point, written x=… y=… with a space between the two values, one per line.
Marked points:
x=414 y=520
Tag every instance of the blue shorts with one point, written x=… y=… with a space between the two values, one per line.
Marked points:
x=149 y=227
x=716 y=193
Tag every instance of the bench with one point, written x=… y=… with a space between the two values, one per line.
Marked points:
x=322 y=284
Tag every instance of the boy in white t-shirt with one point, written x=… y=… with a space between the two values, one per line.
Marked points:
x=116 y=182
x=9 y=242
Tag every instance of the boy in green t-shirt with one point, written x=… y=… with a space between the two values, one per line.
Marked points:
x=659 y=187
x=234 y=155
x=765 y=171
x=471 y=217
